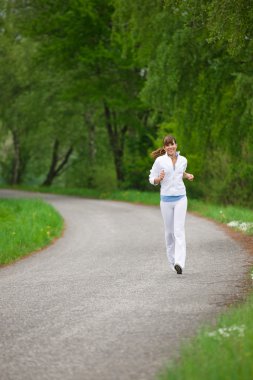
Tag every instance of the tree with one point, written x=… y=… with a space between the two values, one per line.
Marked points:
x=80 y=39
x=197 y=63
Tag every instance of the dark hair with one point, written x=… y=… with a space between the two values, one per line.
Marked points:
x=169 y=139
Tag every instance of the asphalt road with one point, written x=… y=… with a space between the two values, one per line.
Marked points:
x=102 y=303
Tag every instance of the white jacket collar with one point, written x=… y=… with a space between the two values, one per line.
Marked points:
x=177 y=154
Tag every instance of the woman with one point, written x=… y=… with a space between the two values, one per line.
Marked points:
x=168 y=170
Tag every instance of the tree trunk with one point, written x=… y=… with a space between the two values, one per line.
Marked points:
x=15 y=178
x=55 y=170
x=117 y=141
x=91 y=150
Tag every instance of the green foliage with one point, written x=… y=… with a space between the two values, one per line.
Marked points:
x=107 y=80
x=200 y=84
x=231 y=22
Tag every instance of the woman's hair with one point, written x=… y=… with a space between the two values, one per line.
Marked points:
x=169 y=139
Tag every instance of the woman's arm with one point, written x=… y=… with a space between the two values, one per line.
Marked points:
x=156 y=174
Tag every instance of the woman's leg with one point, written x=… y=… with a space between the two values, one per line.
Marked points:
x=179 y=231
x=167 y=210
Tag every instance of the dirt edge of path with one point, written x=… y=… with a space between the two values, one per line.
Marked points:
x=246 y=243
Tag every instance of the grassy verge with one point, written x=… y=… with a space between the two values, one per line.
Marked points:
x=26 y=226
x=221 y=353
x=240 y=218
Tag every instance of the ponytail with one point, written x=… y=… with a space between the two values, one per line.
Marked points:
x=158 y=152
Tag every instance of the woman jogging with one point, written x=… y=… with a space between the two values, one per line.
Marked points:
x=168 y=170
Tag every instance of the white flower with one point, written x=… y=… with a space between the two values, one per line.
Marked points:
x=226 y=332
x=234 y=223
x=243 y=226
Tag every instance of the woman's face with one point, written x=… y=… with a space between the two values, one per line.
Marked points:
x=171 y=148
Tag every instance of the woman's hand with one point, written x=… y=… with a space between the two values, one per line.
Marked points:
x=162 y=175
x=160 y=178
x=189 y=176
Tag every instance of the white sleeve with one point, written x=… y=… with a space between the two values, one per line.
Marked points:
x=185 y=165
x=154 y=173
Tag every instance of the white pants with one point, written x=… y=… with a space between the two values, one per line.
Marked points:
x=174 y=214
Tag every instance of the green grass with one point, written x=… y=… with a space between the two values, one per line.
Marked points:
x=25 y=226
x=224 y=214
x=223 y=352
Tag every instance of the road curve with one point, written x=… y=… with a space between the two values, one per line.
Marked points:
x=101 y=303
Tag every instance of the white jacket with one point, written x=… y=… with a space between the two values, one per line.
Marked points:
x=173 y=183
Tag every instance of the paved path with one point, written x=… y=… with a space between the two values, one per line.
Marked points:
x=102 y=303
